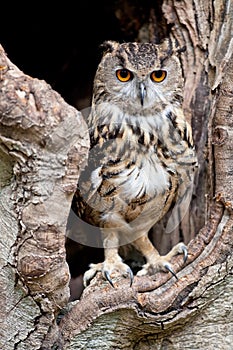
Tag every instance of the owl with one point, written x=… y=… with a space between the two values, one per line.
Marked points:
x=142 y=159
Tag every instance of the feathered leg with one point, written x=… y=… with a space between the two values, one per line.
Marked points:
x=112 y=264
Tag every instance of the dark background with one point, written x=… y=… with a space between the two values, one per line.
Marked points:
x=59 y=43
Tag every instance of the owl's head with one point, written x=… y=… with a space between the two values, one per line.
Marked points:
x=141 y=75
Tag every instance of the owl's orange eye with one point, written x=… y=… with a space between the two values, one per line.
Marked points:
x=158 y=76
x=124 y=75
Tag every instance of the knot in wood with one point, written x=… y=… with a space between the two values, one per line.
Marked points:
x=34 y=266
x=220 y=135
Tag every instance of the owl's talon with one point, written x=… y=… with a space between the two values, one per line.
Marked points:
x=87 y=279
x=106 y=269
x=128 y=273
x=108 y=278
x=89 y=274
x=185 y=253
x=169 y=268
x=131 y=276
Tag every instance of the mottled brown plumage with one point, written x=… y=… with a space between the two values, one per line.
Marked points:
x=142 y=158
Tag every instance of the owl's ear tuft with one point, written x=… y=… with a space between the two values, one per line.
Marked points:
x=109 y=46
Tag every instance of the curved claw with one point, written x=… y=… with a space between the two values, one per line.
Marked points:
x=108 y=278
x=129 y=272
x=88 y=275
x=185 y=252
x=131 y=276
x=168 y=267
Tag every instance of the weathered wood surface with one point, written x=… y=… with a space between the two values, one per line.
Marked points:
x=43 y=144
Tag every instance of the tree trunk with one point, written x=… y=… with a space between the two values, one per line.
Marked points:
x=44 y=145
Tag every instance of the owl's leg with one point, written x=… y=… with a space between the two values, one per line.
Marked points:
x=112 y=264
x=155 y=261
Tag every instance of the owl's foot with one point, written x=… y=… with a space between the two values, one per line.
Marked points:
x=161 y=263
x=107 y=269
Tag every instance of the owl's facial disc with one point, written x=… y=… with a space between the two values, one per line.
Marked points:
x=141 y=85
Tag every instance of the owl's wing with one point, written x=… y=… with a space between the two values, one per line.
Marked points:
x=181 y=206
x=186 y=171
x=85 y=201
x=184 y=127
x=98 y=202
x=99 y=184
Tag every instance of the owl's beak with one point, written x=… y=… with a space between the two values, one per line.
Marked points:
x=142 y=92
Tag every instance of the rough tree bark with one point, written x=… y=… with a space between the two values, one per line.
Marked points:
x=43 y=146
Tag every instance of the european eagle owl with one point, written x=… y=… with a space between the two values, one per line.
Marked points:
x=141 y=160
